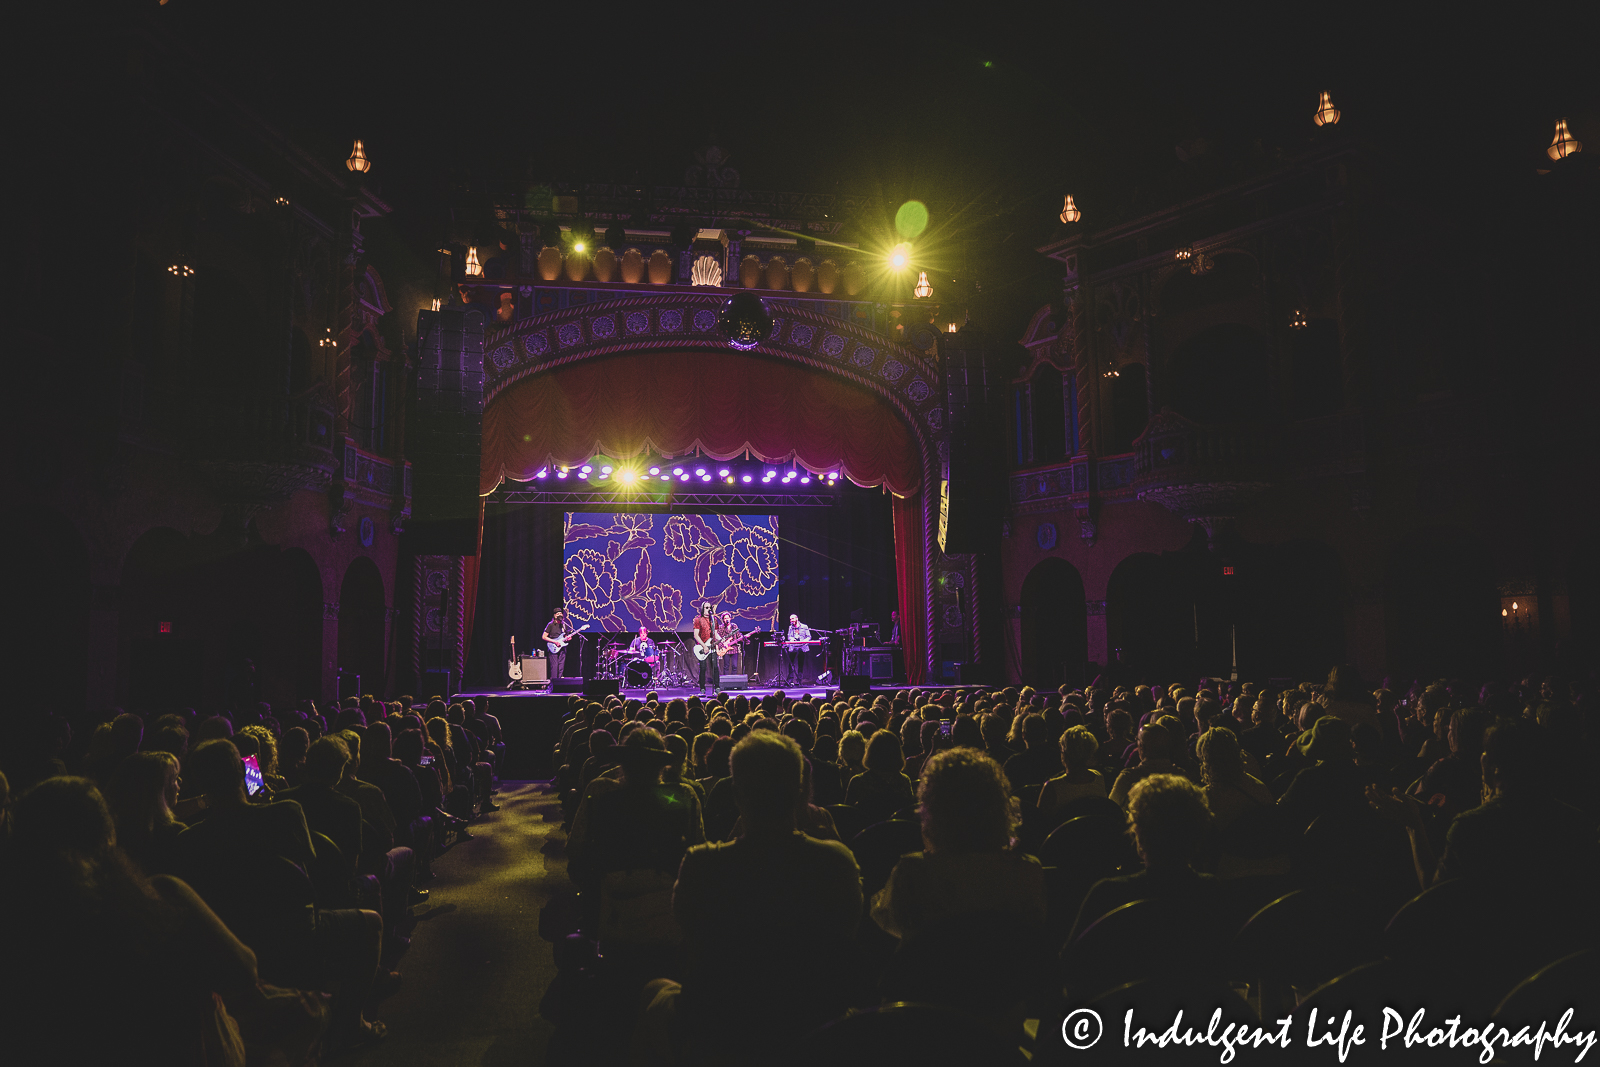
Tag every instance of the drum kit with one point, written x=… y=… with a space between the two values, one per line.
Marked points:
x=664 y=668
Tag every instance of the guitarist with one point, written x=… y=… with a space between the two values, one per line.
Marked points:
x=554 y=630
x=705 y=628
x=728 y=642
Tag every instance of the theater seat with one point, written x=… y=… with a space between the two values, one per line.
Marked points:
x=879 y=847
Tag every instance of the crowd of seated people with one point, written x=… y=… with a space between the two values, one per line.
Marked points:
x=227 y=888
x=749 y=870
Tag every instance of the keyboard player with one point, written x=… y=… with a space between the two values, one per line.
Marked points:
x=796 y=646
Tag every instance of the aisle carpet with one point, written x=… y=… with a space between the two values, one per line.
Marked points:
x=477 y=965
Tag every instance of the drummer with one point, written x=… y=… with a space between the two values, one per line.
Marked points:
x=644 y=648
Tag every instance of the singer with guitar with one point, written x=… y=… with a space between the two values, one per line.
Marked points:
x=557 y=632
x=705 y=646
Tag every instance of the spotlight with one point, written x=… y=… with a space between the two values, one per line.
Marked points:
x=583 y=475
x=586 y=468
x=705 y=477
x=730 y=479
x=655 y=470
x=899 y=256
x=699 y=472
x=683 y=477
x=723 y=473
x=561 y=474
x=677 y=470
x=544 y=473
x=745 y=478
x=606 y=469
x=806 y=480
x=578 y=247
x=627 y=477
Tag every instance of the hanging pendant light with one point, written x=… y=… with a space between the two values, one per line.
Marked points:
x=924 y=287
x=473 y=269
x=1070 y=212
x=1564 y=144
x=1327 y=114
x=358 y=160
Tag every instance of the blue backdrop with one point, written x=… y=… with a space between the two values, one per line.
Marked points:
x=626 y=570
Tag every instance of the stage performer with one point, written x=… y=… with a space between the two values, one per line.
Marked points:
x=727 y=638
x=795 y=647
x=643 y=647
x=554 y=630
x=894 y=629
x=705 y=631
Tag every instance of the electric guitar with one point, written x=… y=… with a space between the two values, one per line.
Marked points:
x=515 y=667
x=724 y=649
x=561 y=642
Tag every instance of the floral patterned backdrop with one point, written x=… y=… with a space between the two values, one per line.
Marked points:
x=622 y=571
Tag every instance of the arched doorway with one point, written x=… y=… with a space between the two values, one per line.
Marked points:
x=361 y=611
x=1288 y=601
x=1442 y=609
x=1153 y=616
x=291 y=654
x=1055 y=632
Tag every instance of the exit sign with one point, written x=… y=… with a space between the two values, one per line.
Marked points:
x=164 y=627
x=1228 y=570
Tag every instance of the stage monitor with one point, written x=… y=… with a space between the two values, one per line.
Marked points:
x=626 y=570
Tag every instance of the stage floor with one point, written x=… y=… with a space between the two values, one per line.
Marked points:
x=753 y=692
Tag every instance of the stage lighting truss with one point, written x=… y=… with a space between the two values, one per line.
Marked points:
x=687 y=480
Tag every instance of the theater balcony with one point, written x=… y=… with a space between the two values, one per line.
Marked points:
x=1206 y=474
x=255 y=450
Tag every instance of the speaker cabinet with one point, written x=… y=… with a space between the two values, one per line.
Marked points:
x=534 y=669
x=880 y=666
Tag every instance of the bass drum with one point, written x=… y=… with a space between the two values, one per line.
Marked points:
x=638 y=675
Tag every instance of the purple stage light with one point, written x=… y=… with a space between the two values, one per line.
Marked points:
x=746 y=478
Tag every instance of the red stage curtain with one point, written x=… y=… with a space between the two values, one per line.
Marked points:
x=908 y=545
x=721 y=402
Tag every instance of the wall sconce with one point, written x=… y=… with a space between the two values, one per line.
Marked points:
x=924 y=287
x=436 y=303
x=328 y=341
x=182 y=270
x=1298 y=320
x=1183 y=254
x=473 y=269
x=1069 y=211
x=1327 y=114
x=1564 y=144
x=950 y=327
x=1113 y=373
x=282 y=201
x=358 y=160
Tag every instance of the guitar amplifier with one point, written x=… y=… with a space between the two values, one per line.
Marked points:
x=879 y=664
x=534 y=669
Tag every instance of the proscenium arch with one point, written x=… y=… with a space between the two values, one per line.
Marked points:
x=906 y=379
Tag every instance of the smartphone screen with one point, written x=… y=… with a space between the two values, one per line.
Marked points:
x=252 y=776
x=427 y=758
